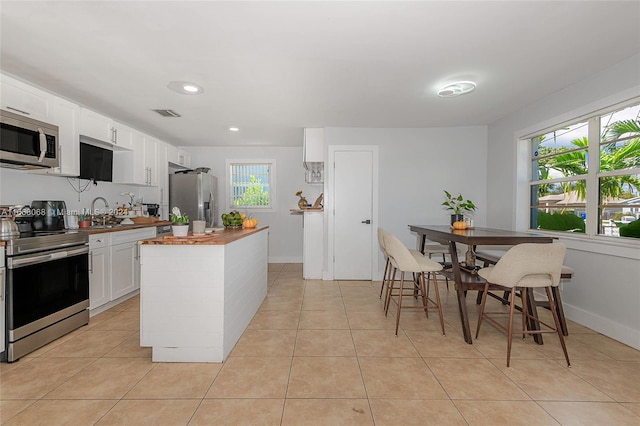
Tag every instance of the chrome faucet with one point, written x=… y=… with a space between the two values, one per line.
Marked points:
x=93 y=204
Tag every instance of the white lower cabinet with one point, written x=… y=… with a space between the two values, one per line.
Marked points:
x=312 y=248
x=99 y=270
x=115 y=265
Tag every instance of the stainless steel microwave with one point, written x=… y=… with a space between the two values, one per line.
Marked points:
x=26 y=143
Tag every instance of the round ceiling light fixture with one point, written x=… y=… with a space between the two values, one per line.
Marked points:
x=234 y=129
x=458 y=88
x=185 y=88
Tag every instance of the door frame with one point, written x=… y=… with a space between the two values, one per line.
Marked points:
x=330 y=209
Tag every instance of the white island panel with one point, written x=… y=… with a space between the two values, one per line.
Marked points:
x=196 y=300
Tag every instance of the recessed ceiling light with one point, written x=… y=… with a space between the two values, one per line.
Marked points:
x=185 y=87
x=456 y=89
x=234 y=129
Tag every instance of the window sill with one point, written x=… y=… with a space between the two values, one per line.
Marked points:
x=613 y=246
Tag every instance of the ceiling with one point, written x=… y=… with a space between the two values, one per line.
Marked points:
x=273 y=68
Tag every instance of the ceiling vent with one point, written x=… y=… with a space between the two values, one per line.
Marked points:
x=167 y=113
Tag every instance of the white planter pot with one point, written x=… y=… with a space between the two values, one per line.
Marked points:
x=180 y=230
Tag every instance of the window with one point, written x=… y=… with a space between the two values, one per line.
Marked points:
x=252 y=184
x=589 y=168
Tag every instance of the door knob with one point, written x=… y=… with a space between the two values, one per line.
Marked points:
x=368 y=221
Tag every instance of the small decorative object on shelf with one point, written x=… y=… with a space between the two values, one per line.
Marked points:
x=458 y=205
x=318 y=203
x=179 y=223
x=302 y=202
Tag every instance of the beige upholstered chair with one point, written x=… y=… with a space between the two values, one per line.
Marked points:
x=491 y=257
x=407 y=261
x=387 y=264
x=522 y=267
x=431 y=249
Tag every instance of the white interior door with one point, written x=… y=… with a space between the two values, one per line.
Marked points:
x=353 y=214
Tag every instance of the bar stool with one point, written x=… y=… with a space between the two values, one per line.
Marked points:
x=523 y=267
x=404 y=260
x=387 y=264
x=431 y=249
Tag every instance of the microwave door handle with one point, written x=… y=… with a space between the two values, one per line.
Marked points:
x=43 y=145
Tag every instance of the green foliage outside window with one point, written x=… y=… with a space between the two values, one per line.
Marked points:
x=254 y=194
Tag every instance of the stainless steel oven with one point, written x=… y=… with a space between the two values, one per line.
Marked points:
x=47 y=289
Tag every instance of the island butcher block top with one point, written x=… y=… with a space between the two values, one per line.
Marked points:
x=222 y=237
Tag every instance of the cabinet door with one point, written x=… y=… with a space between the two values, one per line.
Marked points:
x=128 y=165
x=99 y=277
x=313 y=145
x=96 y=126
x=123 y=135
x=123 y=269
x=151 y=160
x=163 y=180
x=184 y=158
x=66 y=116
x=26 y=100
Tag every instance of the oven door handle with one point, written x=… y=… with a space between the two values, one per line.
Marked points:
x=32 y=260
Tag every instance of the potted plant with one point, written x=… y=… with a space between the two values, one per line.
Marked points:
x=457 y=205
x=179 y=223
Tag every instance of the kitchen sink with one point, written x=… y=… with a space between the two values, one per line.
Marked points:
x=106 y=226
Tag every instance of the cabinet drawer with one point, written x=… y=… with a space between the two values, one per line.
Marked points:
x=98 y=241
x=121 y=237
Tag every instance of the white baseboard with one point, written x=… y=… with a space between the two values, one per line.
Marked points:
x=614 y=330
x=109 y=305
x=285 y=260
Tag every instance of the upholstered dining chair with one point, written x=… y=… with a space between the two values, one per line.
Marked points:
x=431 y=249
x=522 y=267
x=387 y=264
x=422 y=268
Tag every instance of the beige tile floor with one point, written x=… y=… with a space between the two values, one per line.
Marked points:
x=323 y=353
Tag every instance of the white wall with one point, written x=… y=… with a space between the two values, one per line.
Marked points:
x=22 y=187
x=285 y=229
x=415 y=166
x=605 y=292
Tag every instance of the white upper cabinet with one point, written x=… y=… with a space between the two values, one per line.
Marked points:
x=178 y=157
x=163 y=180
x=123 y=135
x=313 y=155
x=96 y=126
x=104 y=129
x=26 y=100
x=139 y=165
x=65 y=116
x=313 y=149
x=151 y=160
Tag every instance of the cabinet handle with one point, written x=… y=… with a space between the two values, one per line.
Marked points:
x=19 y=110
x=91 y=262
x=2 y=285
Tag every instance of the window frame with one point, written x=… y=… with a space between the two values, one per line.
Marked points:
x=592 y=176
x=272 y=207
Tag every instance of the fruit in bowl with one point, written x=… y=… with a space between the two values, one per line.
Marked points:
x=232 y=219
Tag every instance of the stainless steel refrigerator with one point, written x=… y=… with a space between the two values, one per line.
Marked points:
x=195 y=194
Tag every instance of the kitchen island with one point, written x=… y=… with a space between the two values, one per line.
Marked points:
x=199 y=293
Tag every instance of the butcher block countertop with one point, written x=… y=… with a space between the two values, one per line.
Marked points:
x=216 y=238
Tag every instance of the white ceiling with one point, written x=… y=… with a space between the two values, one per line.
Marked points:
x=273 y=68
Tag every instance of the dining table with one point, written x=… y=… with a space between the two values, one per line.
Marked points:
x=466 y=277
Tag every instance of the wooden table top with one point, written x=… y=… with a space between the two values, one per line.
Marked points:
x=479 y=236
